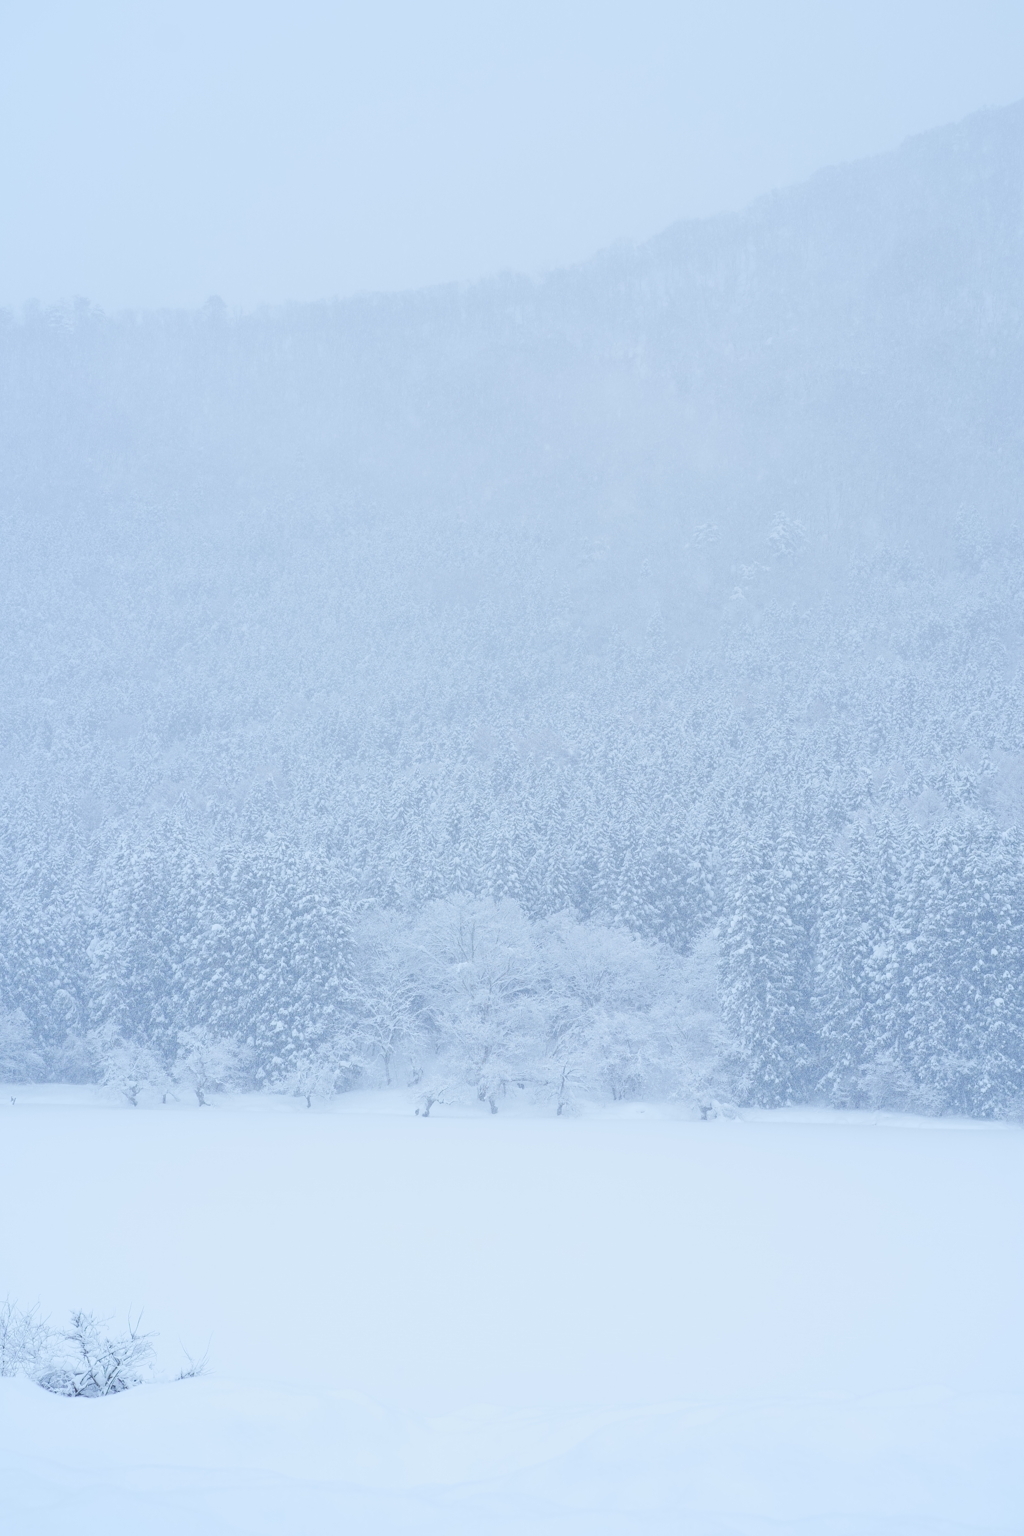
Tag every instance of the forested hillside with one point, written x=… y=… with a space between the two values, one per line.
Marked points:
x=603 y=684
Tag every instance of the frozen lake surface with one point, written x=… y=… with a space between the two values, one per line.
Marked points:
x=624 y=1322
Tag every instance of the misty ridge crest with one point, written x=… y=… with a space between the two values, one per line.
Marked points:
x=608 y=684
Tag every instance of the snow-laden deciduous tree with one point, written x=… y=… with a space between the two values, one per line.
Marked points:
x=204 y=1063
x=630 y=1018
x=481 y=983
x=324 y=1069
x=597 y=984
x=130 y=1066
x=562 y=1009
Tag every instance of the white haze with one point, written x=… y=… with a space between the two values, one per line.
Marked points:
x=156 y=154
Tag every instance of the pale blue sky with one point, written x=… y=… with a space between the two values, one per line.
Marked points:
x=155 y=153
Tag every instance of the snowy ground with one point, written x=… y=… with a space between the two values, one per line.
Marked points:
x=621 y=1323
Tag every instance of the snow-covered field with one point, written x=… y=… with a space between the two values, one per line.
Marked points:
x=624 y=1322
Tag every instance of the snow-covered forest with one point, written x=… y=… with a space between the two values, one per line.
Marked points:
x=607 y=685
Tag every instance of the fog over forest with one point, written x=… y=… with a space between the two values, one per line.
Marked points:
x=606 y=685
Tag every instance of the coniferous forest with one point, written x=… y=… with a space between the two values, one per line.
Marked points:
x=603 y=685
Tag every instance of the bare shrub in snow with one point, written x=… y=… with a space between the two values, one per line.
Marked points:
x=84 y=1359
x=24 y=1339
x=196 y=1365
x=93 y=1363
